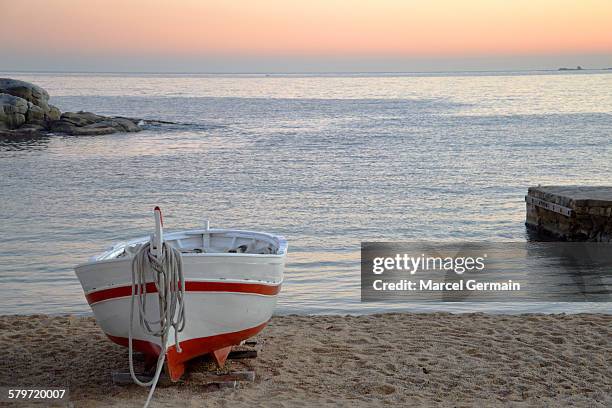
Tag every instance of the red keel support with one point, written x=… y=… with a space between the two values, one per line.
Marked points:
x=220 y=355
x=175 y=370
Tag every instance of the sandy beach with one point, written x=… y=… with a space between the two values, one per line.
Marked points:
x=385 y=359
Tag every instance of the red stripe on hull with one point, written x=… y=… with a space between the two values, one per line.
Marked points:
x=235 y=287
x=191 y=348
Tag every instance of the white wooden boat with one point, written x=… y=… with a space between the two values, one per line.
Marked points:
x=232 y=279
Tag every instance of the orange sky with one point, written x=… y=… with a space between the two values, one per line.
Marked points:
x=313 y=27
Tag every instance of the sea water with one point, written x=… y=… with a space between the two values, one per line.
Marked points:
x=328 y=161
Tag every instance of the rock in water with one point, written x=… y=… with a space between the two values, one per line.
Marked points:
x=36 y=99
x=87 y=123
x=25 y=110
x=54 y=113
x=13 y=110
x=81 y=118
x=122 y=124
x=35 y=114
x=29 y=92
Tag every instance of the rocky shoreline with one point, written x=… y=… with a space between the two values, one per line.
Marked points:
x=25 y=111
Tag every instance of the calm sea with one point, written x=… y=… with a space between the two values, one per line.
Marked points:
x=328 y=161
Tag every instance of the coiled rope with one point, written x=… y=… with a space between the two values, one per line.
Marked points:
x=167 y=274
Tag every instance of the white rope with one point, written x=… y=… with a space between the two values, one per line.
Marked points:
x=167 y=274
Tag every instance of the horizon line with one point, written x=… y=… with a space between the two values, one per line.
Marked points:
x=559 y=69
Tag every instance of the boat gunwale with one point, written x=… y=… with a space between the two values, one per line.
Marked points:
x=281 y=242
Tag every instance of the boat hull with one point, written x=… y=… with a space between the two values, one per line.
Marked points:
x=227 y=300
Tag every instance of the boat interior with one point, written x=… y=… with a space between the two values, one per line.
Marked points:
x=211 y=241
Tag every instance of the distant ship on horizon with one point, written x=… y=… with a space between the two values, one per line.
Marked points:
x=578 y=68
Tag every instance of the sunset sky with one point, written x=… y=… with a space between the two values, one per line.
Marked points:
x=282 y=35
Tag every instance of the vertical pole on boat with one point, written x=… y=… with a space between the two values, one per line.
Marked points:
x=157 y=250
x=158 y=236
x=206 y=236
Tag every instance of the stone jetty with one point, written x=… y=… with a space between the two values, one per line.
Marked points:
x=571 y=213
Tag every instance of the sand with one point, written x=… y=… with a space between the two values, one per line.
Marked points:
x=388 y=359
